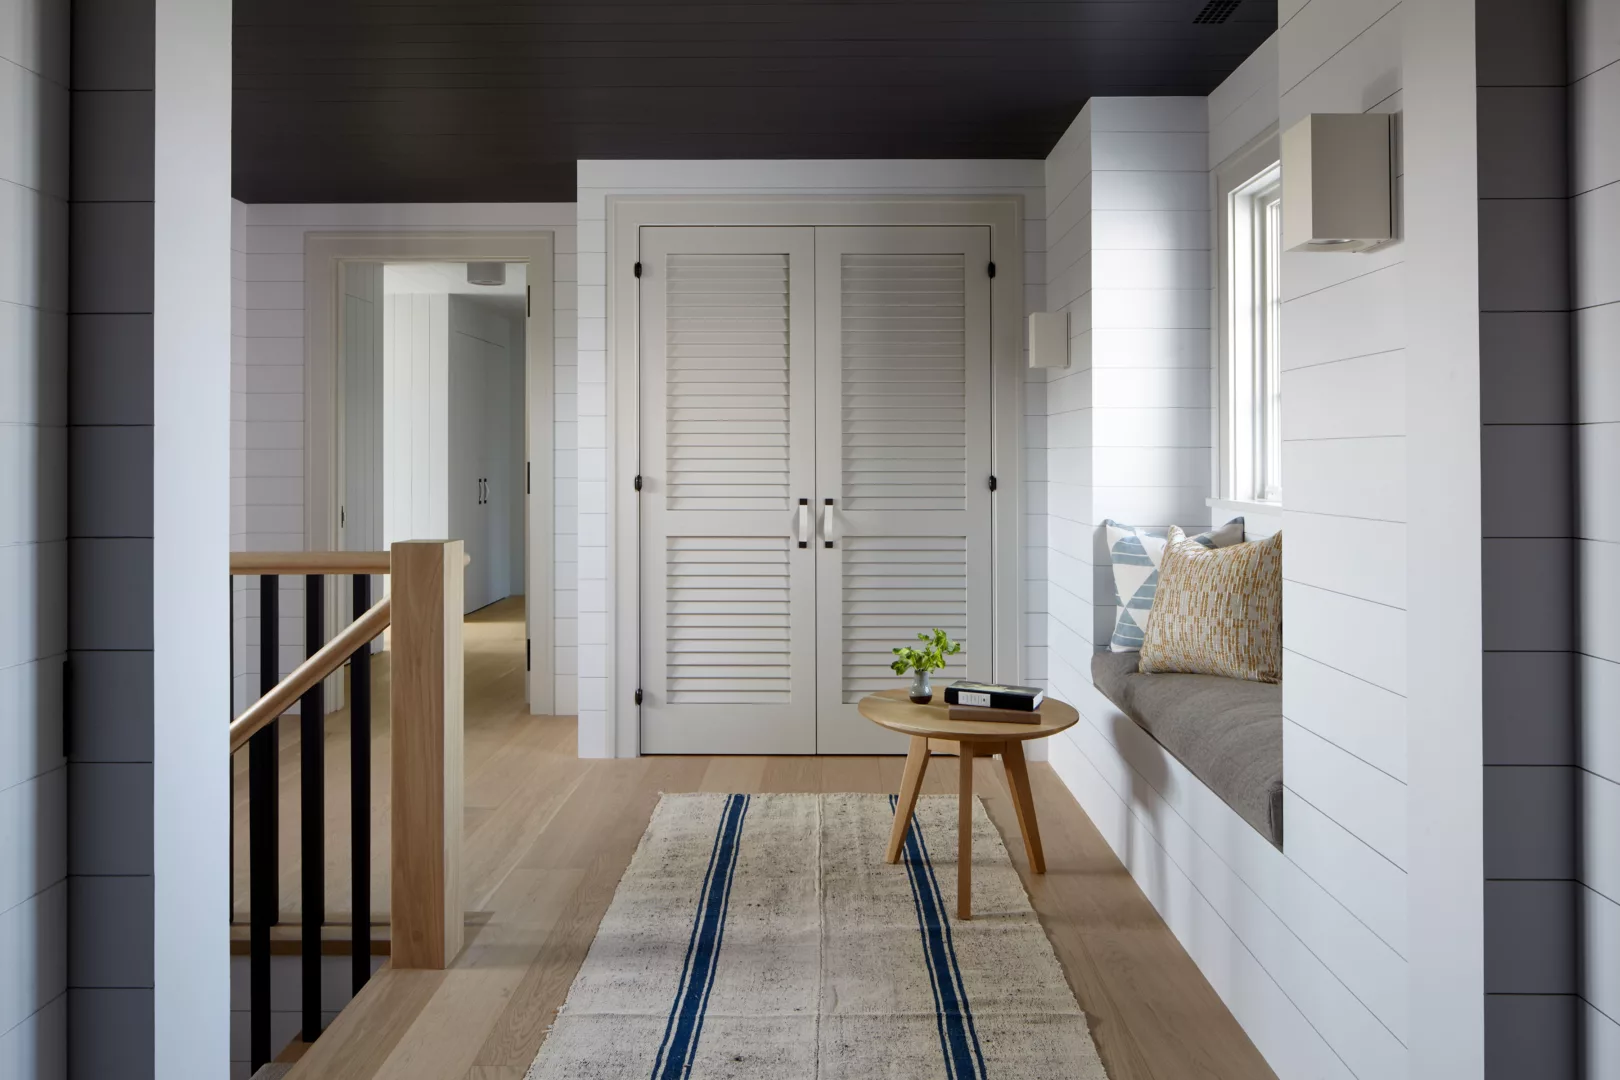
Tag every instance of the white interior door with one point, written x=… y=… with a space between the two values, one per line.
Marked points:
x=728 y=471
x=903 y=462
x=466 y=409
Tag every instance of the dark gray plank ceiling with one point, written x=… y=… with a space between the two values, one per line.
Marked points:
x=482 y=101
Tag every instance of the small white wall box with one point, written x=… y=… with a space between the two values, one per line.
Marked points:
x=1049 y=339
x=1337 y=186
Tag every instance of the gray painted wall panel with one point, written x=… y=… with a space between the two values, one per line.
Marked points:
x=1530 y=813
x=111 y=919
x=112 y=145
x=110 y=828
x=1530 y=709
x=1514 y=387
x=113 y=45
x=112 y=369
x=1530 y=937
x=1527 y=470
x=1529 y=593
x=112 y=257
x=1531 y=1035
x=112 y=1031
x=111 y=481
x=110 y=1015
x=111 y=709
x=110 y=594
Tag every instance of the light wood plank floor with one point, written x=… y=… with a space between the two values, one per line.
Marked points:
x=549 y=835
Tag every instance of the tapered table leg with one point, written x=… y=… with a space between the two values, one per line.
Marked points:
x=910 y=784
x=1012 y=757
x=964 y=834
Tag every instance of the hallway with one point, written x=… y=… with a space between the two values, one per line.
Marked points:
x=548 y=836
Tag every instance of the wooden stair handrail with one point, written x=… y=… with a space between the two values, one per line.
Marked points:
x=310 y=562
x=315 y=562
x=326 y=660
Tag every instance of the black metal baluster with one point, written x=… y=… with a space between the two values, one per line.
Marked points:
x=264 y=881
x=312 y=813
x=360 y=793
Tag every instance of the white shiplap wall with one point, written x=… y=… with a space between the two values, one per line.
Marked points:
x=600 y=179
x=243 y=688
x=274 y=453
x=1594 y=62
x=1344 y=565
x=416 y=389
x=33 y=537
x=1301 y=945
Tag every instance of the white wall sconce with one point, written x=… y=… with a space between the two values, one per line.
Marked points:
x=1337 y=183
x=1049 y=339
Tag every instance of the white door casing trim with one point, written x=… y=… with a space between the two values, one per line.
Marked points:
x=626 y=216
x=323 y=252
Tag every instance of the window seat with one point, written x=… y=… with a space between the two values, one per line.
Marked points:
x=1227 y=732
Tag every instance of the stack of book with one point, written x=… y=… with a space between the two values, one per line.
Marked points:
x=994 y=703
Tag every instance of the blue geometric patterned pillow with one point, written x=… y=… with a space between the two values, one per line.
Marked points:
x=1136 y=554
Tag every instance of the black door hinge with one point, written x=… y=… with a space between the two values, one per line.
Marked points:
x=638 y=269
x=528 y=302
x=638 y=481
x=992 y=269
x=992 y=483
x=638 y=695
x=528 y=478
x=528 y=656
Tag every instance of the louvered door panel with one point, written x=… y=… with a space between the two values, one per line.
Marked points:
x=728 y=381
x=903 y=452
x=727 y=607
x=727 y=453
x=904 y=401
x=894 y=587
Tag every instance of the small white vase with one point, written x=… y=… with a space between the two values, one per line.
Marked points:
x=921 y=691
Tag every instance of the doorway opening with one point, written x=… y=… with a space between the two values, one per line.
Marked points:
x=442 y=413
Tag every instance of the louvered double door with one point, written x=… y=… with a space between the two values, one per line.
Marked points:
x=815 y=455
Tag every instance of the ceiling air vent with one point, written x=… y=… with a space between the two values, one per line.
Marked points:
x=1217 y=11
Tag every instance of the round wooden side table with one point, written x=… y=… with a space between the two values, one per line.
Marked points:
x=931 y=723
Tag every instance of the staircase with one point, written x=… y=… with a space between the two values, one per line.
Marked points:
x=289 y=969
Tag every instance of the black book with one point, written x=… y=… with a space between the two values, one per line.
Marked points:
x=994 y=696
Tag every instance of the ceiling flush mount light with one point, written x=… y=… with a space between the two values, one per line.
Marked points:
x=486 y=273
x=1337 y=183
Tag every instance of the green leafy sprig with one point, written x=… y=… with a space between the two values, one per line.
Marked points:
x=937 y=645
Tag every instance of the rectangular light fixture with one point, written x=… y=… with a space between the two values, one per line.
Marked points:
x=1337 y=183
x=1049 y=339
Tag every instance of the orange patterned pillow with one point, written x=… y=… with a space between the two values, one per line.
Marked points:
x=1218 y=611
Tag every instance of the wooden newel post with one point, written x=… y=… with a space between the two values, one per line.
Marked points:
x=426 y=711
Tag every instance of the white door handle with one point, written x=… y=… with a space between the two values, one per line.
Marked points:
x=827 y=532
x=804 y=523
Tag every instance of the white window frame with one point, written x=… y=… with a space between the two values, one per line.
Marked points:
x=1248 y=433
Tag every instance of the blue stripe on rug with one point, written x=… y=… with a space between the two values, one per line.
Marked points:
x=685 y=1024
x=958 y=1036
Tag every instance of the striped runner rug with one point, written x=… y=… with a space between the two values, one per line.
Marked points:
x=763 y=936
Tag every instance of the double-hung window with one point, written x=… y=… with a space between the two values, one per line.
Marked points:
x=1249 y=188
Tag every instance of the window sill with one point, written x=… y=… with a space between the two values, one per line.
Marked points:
x=1241 y=506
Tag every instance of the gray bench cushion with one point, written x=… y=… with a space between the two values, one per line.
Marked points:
x=1227 y=732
